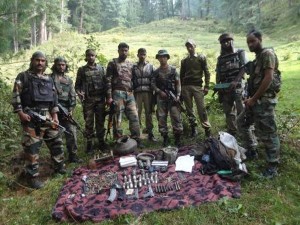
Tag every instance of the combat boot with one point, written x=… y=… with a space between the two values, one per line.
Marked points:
x=251 y=154
x=271 y=171
x=73 y=158
x=60 y=168
x=89 y=148
x=193 y=132
x=35 y=183
x=177 y=140
x=166 y=140
x=103 y=146
x=151 y=137
x=207 y=132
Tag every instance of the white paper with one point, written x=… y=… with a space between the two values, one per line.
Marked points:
x=185 y=163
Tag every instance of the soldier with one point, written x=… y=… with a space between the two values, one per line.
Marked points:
x=67 y=99
x=166 y=83
x=263 y=85
x=91 y=86
x=230 y=69
x=120 y=90
x=34 y=91
x=142 y=75
x=191 y=76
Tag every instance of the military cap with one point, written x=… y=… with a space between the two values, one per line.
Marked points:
x=191 y=42
x=60 y=59
x=225 y=36
x=90 y=51
x=162 y=52
x=38 y=54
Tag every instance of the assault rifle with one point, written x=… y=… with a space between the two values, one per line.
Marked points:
x=173 y=98
x=110 y=112
x=220 y=86
x=65 y=113
x=40 y=119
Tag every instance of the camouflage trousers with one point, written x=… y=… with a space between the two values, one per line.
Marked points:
x=163 y=108
x=94 y=116
x=125 y=103
x=265 y=127
x=145 y=100
x=71 y=139
x=232 y=104
x=32 y=142
x=190 y=92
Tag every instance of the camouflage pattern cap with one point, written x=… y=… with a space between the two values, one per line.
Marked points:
x=191 y=42
x=162 y=52
x=225 y=36
x=60 y=59
x=38 y=54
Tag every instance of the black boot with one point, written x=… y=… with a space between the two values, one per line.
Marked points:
x=251 y=154
x=166 y=140
x=60 y=168
x=193 y=132
x=177 y=140
x=207 y=132
x=73 y=158
x=35 y=183
x=89 y=148
x=103 y=146
x=151 y=137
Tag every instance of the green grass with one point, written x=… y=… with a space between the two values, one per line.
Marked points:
x=262 y=201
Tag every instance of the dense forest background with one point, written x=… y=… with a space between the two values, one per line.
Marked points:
x=28 y=23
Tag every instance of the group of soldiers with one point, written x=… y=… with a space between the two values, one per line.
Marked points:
x=131 y=87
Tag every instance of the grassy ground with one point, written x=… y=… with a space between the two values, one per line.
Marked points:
x=262 y=201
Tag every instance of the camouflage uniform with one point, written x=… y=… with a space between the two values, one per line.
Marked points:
x=91 y=81
x=168 y=79
x=119 y=76
x=191 y=76
x=142 y=76
x=228 y=68
x=67 y=98
x=37 y=92
x=263 y=110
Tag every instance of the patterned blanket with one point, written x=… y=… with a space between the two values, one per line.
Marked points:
x=84 y=196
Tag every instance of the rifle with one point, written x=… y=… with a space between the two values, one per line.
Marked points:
x=65 y=113
x=173 y=98
x=38 y=118
x=111 y=111
x=220 y=86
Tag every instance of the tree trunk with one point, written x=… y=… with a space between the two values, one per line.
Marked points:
x=15 y=22
x=189 y=8
x=80 y=28
x=33 y=32
x=62 y=16
x=207 y=7
x=43 y=30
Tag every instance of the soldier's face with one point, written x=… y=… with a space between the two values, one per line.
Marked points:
x=163 y=59
x=123 y=53
x=60 y=67
x=39 y=63
x=190 y=48
x=226 y=44
x=142 y=56
x=254 y=44
x=90 y=57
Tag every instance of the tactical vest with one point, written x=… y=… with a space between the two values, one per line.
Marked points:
x=228 y=66
x=165 y=81
x=257 y=75
x=37 y=92
x=142 y=77
x=122 y=77
x=63 y=88
x=94 y=81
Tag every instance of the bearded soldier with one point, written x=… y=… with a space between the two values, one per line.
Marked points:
x=67 y=99
x=34 y=98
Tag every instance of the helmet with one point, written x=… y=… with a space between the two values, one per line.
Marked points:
x=162 y=52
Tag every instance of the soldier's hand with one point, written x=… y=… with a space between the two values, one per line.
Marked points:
x=249 y=102
x=109 y=101
x=205 y=91
x=24 y=117
x=163 y=95
x=233 y=85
